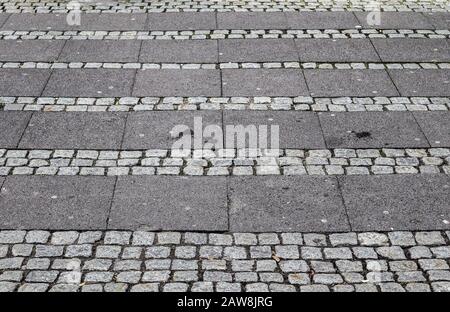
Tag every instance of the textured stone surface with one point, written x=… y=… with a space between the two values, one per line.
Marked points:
x=142 y=203
x=278 y=204
x=65 y=202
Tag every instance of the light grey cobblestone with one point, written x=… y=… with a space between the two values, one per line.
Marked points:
x=340 y=104
x=128 y=261
x=222 y=34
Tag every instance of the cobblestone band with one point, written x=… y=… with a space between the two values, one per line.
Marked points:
x=36 y=261
x=221 y=6
x=303 y=103
x=228 y=65
x=223 y=34
x=240 y=162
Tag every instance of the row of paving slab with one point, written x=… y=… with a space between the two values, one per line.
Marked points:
x=225 y=82
x=226 y=20
x=236 y=204
x=158 y=129
x=227 y=50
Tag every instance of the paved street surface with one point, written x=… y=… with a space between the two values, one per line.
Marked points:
x=356 y=196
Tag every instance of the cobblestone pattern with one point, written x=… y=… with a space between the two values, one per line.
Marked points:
x=228 y=65
x=301 y=103
x=222 y=34
x=40 y=6
x=36 y=261
x=225 y=162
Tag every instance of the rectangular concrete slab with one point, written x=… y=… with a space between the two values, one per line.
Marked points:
x=23 y=82
x=286 y=204
x=251 y=20
x=440 y=20
x=321 y=20
x=90 y=83
x=435 y=126
x=176 y=82
x=181 y=21
x=394 y=20
x=257 y=50
x=263 y=82
x=161 y=129
x=12 y=125
x=74 y=130
x=31 y=21
x=55 y=203
x=90 y=21
x=422 y=82
x=332 y=50
x=160 y=203
x=397 y=202
x=296 y=129
x=113 y=21
x=413 y=50
x=371 y=130
x=101 y=51
x=334 y=83
x=179 y=51
x=30 y=50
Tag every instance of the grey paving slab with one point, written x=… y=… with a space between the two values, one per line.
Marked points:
x=30 y=21
x=424 y=82
x=113 y=21
x=296 y=129
x=413 y=50
x=181 y=21
x=30 y=50
x=251 y=20
x=177 y=82
x=263 y=82
x=55 y=203
x=371 y=130
x=276 y=204
x=321 y=20
x=179 y=51
x=257 y=50
x=395 y=20
x=12 y=125
x=90 y=83
x=3 y=18
x=435 y=126
x=170 y=203
x=70 y=130
x=336 y=50
x=91 y=21
x=334 y=83
x=397 y=202
x=440 y=20
x=23 y=82
x=101 y=51
x=156 y=129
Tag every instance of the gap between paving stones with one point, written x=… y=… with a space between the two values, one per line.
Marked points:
x=225 y=162
x=302 y=103
x=196 y=261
